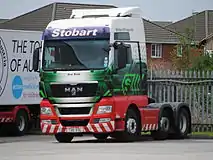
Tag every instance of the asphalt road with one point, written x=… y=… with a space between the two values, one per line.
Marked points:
x=87 y=148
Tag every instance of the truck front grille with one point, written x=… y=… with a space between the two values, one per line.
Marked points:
x=74 y=110
x=74 y=122
x=78 y=90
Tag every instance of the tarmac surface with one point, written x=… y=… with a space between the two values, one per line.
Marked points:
x=39 y=147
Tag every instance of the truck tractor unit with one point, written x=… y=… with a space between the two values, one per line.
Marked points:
x=93 y=79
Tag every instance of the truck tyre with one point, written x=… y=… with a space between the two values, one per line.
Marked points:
x=183 y=125
x=101 y=136
x=64 y=137
x=164 y=128
x=132 y=126
x=1 y=129
x=21 y=123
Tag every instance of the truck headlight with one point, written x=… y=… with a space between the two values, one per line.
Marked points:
x=104 y=109
x=46 y=110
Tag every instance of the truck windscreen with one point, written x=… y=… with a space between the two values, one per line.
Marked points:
x=68 y=55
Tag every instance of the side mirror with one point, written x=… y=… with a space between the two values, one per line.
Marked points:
x=122 y=51
x=36 y=59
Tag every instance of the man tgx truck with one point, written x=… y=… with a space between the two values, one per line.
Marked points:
x=93 y=79
x=19 y=84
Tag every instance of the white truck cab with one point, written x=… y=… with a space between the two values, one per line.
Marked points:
x=119 y=24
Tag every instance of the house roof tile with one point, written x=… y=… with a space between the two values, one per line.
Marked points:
x=158 y=34
x=200 y=23
x=39 y=18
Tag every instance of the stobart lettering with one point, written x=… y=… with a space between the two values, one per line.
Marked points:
x=74 y=32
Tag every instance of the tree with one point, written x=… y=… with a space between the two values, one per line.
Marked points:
x=204 y=62
x=188 y=56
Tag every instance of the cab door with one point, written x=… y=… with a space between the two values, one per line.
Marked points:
x=127 y=80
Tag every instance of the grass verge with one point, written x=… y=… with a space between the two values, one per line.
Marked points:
x=209 y=134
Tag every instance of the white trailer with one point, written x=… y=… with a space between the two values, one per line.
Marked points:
x=19 y=84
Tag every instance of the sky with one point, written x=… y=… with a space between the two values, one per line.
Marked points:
x=163 y=10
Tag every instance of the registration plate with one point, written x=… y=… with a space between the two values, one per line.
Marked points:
x=74 y=130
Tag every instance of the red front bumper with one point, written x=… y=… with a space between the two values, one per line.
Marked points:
x=96 y=123
x=106 y=127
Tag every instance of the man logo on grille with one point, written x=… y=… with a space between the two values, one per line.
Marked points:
x=73 y=90
x=3 y=66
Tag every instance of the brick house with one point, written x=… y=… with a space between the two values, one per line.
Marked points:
x=207 y=44
x=201 y=26
x=160 y=43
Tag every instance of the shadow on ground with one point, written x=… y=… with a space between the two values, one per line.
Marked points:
x=111 y=140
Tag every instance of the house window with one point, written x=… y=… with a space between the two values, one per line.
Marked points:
x=156 y=51
x=179 y=51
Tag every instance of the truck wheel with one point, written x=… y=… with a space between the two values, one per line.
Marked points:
x=21 y=123
x=165 y=125
x=101 y=136
x=183 y=125
x=64 y=137
x=132 y=126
